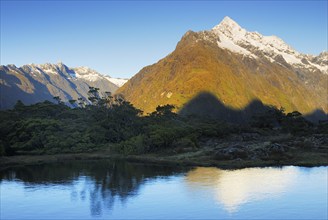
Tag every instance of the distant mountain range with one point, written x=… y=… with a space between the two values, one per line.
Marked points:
x=34 y=83
x=237 y=67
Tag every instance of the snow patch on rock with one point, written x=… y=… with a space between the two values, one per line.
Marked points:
x=117 y=81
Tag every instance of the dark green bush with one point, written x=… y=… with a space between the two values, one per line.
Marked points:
x=134 y=145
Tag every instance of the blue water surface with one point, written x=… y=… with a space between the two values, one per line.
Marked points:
x=122 y=190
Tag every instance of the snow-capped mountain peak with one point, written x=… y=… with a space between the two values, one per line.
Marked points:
x=91 y=75
x=87 y=74
x=229 y=28
x=228 y=24
x=78 y=73
x=84 y=69
x=238 y=40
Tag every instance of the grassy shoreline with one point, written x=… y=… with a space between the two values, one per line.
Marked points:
x=23 y=160
x=230 y=152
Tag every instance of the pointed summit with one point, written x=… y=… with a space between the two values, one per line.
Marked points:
x=229 y=28
x=227 y=23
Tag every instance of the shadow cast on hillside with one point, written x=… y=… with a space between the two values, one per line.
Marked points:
x=208 y=106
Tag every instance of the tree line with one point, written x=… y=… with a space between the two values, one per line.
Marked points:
x=113 y=124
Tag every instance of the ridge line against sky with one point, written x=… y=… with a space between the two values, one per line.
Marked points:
x=119 y=38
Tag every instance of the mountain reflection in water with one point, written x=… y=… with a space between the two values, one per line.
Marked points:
x=232 y=188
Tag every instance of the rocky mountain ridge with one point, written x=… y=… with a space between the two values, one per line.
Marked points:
x=38 y=82
x=230 y=36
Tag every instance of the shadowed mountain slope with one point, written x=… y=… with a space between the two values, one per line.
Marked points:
x=206 y=105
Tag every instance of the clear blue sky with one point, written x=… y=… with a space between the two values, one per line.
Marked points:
x=119 y=38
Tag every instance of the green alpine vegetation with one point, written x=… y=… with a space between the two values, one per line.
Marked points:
x=112 y=126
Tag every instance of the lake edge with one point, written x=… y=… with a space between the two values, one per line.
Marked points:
x=24 y=160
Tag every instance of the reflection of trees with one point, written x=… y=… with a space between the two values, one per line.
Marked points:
x=104 y=181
